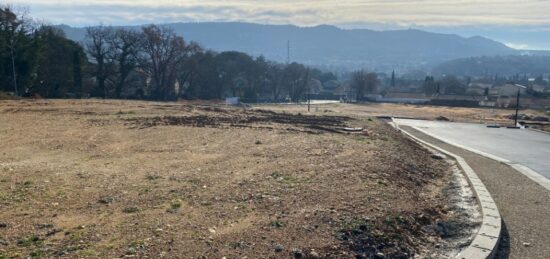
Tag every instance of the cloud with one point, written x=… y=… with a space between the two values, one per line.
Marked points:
x=518 y=46
x=302 y=12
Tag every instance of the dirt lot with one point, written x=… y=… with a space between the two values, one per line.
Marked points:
x=458 y=114
x=193 y=180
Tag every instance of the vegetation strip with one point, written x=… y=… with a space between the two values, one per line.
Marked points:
x=486 y=241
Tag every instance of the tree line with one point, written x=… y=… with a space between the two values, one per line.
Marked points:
x=37 y=59
x=152 y=62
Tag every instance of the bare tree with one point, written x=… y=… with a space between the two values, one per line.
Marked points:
x=372 y=83
x=98 y=44
x=359 y=84
x=126 y=45
x=190 y=65
x=163 y=54
x=295 y=79
x=274 y=79
x=363 y=83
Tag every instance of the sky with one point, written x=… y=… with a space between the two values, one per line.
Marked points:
x=523 y=24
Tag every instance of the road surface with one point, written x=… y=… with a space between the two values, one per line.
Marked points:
x=523 y=204
x=522 y=146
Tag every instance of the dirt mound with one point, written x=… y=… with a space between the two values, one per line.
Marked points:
x=222 y=118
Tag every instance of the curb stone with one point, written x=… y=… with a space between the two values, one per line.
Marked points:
x=485 y=242
x=537 y=130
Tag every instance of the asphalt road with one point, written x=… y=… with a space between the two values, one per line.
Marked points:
x=523 y=204
x=522 y=146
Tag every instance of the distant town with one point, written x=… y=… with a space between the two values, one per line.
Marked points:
x=450 y=90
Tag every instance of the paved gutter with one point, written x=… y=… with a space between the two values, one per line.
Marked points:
x=523 y=204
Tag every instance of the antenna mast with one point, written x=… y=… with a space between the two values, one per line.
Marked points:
x=288 y=51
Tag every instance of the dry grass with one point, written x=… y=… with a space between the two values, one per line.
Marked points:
x=6 y=96
x=123 y=178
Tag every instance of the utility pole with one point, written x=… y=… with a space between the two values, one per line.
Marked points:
x=517 y=103
x=517 y=110
x=308 y=95
x=393 y=78
x=13 y=68
x=308 y=91
x=288 y=52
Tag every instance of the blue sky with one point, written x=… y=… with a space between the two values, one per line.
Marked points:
x=517 y=23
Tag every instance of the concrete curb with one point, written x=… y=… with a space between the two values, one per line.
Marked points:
x=539 y=131
x=531 y=174
x=485 y=242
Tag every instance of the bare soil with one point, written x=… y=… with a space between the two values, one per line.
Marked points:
x=502 y=117
x=113 y=179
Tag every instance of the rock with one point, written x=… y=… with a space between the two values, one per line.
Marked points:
x=279 y=248
x=3 y=225
x=438 y=156
x=54 y=231
x=380 y=255
x=541 y=118
x=131 y=251
x=44 y=225
x=106 y=200
x=446 y=229
x=297 y=253
x=314 y=254
x=442 y=118
x=130 y=209
x=353 y=129
x=525 y=117
x=526 y=244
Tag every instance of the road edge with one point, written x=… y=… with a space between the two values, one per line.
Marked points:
x=530 y=173
x=485 y=242
x=537 y=130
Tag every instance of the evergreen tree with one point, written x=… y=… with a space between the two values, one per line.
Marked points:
x=77 y=72
x=59 y=62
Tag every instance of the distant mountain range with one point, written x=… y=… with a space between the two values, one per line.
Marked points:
x=334 y=48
